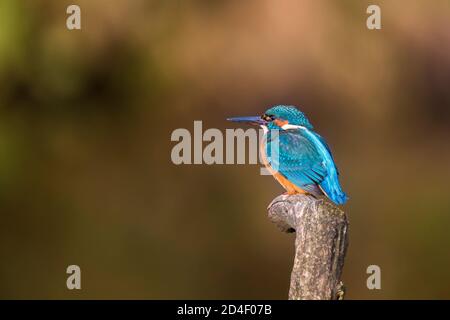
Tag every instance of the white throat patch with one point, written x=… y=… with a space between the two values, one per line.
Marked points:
x=291 y=126
x=265 y=129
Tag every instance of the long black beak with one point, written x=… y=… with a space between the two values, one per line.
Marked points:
x=249 y=120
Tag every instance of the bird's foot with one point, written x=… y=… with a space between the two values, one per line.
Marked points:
x=291 y=193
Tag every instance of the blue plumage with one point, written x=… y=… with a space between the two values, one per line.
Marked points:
x=299 y=154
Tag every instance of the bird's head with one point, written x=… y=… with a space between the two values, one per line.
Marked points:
x=277 y=117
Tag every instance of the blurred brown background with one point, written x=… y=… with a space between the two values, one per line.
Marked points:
x=86 y=116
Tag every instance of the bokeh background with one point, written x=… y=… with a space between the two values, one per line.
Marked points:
x=86 y=116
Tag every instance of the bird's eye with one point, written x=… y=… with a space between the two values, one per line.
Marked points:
x=267 y=117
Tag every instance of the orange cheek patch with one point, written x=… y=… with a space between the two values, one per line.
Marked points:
x=280 y=123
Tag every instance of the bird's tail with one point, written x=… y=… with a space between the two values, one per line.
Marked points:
x=333 y=191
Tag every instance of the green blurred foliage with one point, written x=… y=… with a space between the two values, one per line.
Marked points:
x=85 y=123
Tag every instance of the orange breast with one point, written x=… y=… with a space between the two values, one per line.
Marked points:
x=289 y=186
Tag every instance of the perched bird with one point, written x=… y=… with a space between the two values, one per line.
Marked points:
x=298 y=158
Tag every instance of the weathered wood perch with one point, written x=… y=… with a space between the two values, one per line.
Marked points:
x=320 y=245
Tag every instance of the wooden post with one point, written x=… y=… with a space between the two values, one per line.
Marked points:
x=320 y=245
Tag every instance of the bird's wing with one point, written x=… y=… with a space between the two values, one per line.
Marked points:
x=297 y=159
x=322 y=140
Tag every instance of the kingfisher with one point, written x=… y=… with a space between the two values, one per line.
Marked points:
x=297 y=156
